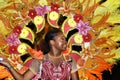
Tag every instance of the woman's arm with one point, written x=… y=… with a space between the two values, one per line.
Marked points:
x=75 y=76
x=28 y=75
x=74 y=72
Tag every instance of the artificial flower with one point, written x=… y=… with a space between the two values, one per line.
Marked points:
x=17 y=29
x=38 y=20
x=71 y=22
x=24 y=33
x=87 y=37
x=13 y=50
x=42 y=2
x=54 y=15
x=41 y=10
x=78 y=17
x=22 y=48
x=83 y=27
x=78 y=38
x=13 y=40
x=32 y=13
x=54 y=7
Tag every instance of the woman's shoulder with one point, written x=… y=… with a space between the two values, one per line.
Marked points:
x=45 y=57
x=35 y=62
x=34 y=67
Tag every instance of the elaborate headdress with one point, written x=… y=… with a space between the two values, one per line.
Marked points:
x=86 y=24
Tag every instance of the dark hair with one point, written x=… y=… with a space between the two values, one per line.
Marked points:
x=49 y=36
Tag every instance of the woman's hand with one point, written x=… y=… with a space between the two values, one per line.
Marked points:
x=5 y=62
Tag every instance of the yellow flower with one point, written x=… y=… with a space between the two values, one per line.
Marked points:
x=24 y=33
x=22 y=48
x=71 y=22
x=54 y=15
x=42 y=2
x=38 y=20
x=78 y=38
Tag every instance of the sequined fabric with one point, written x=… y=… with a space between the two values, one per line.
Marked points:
x=52 y=72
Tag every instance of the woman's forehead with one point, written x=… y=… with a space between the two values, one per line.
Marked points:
x=60 y=34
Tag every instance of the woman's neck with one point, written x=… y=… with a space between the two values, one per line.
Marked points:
x=55 y=53
x=54 y=57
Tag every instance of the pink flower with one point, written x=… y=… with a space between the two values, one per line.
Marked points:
x=13 y=40
x=13 y=50
x=32 y=13
x=41 y=10
x=17 y=29
x=54 y=7
x=87 y=38
x=78 y=17
x=83 y=27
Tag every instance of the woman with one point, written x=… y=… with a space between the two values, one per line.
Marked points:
x=54 y=66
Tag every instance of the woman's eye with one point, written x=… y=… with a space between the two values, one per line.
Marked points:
x=63 y=38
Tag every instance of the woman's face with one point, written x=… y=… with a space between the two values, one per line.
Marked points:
x=60 y=41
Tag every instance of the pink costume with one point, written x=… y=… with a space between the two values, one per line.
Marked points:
x=51 y=72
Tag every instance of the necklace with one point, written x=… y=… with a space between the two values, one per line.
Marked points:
x=55 y=57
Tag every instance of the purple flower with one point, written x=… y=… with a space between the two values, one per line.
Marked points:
x=83 y=27
x=41 y=10
x=13 y=40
